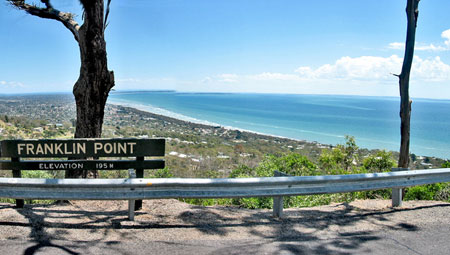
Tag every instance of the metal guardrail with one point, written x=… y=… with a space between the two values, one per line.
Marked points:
x=116 y=189
x=131 y=189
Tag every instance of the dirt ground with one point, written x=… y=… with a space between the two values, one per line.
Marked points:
x=108 y=220
x=170 y=220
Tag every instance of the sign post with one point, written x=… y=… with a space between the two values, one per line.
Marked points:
x=84 y=154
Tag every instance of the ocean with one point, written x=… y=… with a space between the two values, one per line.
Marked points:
x=327 y=119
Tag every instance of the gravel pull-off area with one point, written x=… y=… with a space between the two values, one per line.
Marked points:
x=173 y=227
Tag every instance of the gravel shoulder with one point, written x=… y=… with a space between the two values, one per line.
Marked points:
x=101 y=227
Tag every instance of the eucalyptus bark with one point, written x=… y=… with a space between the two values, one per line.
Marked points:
x=412 y=13
x=95 y=81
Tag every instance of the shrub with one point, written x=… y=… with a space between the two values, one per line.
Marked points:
x=162 y=173
x=292 y=164
x=446 y=164
x=382 y=161
x=242 y=170
x=37 y=174
x=425 y=192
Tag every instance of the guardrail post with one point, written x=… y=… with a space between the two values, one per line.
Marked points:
x=397 y=193
x=17 y=174
x=139 y=174
x=131 y=202
x=278 y=200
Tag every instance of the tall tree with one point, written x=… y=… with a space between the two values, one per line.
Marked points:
x=92 y=88
x=412 y=13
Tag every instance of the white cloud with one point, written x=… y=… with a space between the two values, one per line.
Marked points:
x=365 y=75
x=228 y=78
x=418 y=47
x=11 y=84
x=126 y=80
x=368 y=70
x=396 y=46
x=207 y=79
x=137 y=83
x=431 y=70
x=446 y=35
x=425 y=47
x=268 y=76
x=430 y=47
x=360 y=68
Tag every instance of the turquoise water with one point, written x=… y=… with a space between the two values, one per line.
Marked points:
x=373 y=121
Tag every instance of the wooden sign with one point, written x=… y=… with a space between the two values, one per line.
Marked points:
x=82 y=148
x=82 y=164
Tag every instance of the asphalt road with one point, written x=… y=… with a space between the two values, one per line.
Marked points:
x=432 y=240
x=417 y=228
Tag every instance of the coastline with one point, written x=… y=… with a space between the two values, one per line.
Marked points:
x=311 y=149
x=326 y=119
x=193 y=121
x=202 y=143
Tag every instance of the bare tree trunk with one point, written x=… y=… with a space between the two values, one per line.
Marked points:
x=95 y=81
x=412 y=13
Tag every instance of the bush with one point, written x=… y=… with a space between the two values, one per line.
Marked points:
x=162 y=173
x=382 y=161
x=292 y=164
x=426 y=192
x=341 y=159
x=37 y=174
x=446 y=164
x=254 y=202
x=242 y=170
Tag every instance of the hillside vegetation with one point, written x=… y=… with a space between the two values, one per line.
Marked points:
x=195 y=150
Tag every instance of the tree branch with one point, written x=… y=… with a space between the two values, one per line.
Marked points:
x=106 y=16
x=66 y=18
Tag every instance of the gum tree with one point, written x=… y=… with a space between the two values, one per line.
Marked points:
x=95 y=81
x=412 y=13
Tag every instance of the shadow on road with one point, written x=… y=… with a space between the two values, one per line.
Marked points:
x=302 y=231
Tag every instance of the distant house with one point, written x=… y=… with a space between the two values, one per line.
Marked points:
x=426 y=164
x=38 y=129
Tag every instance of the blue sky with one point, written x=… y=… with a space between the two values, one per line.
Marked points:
x=277 y=46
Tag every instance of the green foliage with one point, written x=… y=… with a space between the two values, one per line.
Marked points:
x=382 y=161
x=446 y=164
x=37 y=174
x=292 y=164
x=208 y=174
x=113 y=174
x=435 y=191
x=340 y=158
x=254 y=202
x=207 y=201
x=32 y=174
x=264 y=156
x=162 y=173
x=242 y=171
x=350 y=151
x=331 y=161
x=374 y=194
